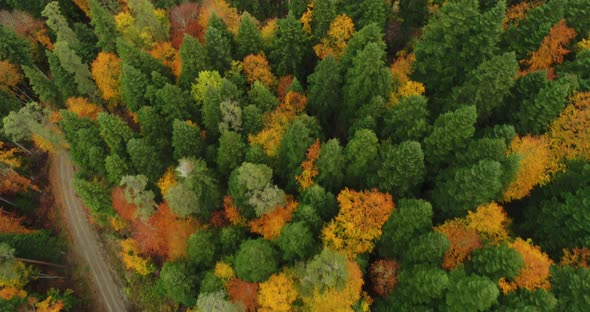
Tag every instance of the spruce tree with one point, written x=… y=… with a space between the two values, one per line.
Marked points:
x=249 y=40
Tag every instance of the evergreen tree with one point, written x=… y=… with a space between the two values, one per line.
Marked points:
x=368 y=78
x=330 y=165
x=471 y=293
x=43 y=87
x=325 y=89
x=497 y=74
x=15 y=48
x=296 y=241
x=141 y=60
x=359 y=41
x=177 y=283
x=231 y=151
x=262 y=98
x=186 y=140
x=497 y=261
x=402 y=168
x=373 y=11
x=201 y=249
x=407 y=120
x=134 y=84
x=218 y=44
x=59 y=24
x=249 y=40
x=144 y=158
x=193 y=57
x=322 y=16
x=449 y=133
x=411 y=218
x=104 y=26
x=115 y=132
x=289 y=47
x=255 y=261
x=61 y=78
x=360 y=154
x=73 y=64
x=414 y=12
x=445 y=35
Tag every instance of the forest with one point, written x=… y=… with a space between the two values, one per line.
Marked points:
x=301 y=155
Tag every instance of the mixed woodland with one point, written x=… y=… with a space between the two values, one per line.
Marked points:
x=304 y=155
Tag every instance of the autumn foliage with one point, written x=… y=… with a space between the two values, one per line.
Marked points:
x=489 y=221
x=383 y=276
x=82 y=107
x=124 y=209
x=12 y=183
x=339 y=300
x=106 y=72
x=277 y=121
x=277 y=294
x=577 y=257
x=552 y=48
x=10 y=75
x=244 y=292
x=270 y=224
x=534 y=274
x=310 y=171
x=518 y=12
x=569 y=134
x=232 y=212
x=340 y=31
x=12 y=225
x=463 y=241
x=164 y=234
x=169 y=56
x=167 y=181
x=184 y=19
x=535 y=162
x=256 y=68
x=131 y=259
x=359 y=222
x=221 y=8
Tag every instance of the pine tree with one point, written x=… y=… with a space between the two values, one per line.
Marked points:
x=325 y=90
x=133 y=87
x=249 y=40
x=45 y=88
x=402 y=168
x=73 y=64
x=192 y=55
x=368 y=78
x=407 y=120
x=373 y=11
x=289 y=47
x=322 y=15
x=104 y=26
x=218 y=44
x=58 y=23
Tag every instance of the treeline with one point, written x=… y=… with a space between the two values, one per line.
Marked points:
x=321 y=155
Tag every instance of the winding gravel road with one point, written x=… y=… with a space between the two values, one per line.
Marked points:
x=85 y=239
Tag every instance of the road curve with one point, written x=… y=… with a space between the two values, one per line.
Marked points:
x=85 y=239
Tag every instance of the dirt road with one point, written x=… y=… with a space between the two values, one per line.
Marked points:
x=85 y=239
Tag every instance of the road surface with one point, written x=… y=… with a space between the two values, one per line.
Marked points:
x=85 y=239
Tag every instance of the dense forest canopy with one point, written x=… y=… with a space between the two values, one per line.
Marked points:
x=309 y=155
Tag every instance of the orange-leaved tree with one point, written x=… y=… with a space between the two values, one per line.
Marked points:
x=167 y=181
x=277 y=294
x=270 y=224
x=257 y=68
x=359 y=222
x=552 y=49
x=400 y=70
x=340 y=31
x=12 y=225
x=310 y=171
x=82 y=107
x=534 y=274
x=49 y=305
x=534 y=166
x=124 y=209
x=10 y=76
x=106 y=72
x=518 y=12
x=577 y=257
x=277 y=121
x=169 y=56
x=383 y=276
x=232 y=212
x=244 y=292
x=463 y=241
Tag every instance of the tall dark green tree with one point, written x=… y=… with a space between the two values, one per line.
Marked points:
x=289 y=46
x=249 y=40
x=450 y=132
x=15 y=48
x=408 y=120
x=218 y=44
x=330 y=165
x=368 y=78
x=322 y=16
x=325 y=90
x=186 y=140
x=144 y=158
x=360 y=154
x=373 y=11
x=446 y=34
x=43 y=87
x=194 y=60
x=115 y=132
x=402 y=168
x=104 y=26
x=231 y=151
